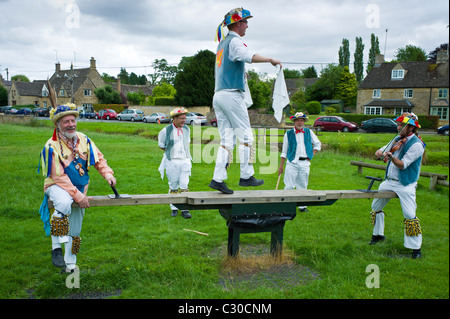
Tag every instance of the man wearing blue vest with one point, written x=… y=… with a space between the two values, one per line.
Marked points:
x=300 y=144
x=229 y=100
x=401 y=177
x=174 y=141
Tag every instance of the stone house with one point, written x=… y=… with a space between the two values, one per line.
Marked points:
x=397 y=87
x=70 y=85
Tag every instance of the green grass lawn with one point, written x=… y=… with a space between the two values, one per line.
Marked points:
x=142 y=252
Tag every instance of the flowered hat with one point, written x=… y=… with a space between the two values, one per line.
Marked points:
x=233 y=16
x=178 y=111
x=299 y=115
x=408 y=118
x=63 y=110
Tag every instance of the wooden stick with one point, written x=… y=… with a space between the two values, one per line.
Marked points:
x=204 y=234
x=278 y=182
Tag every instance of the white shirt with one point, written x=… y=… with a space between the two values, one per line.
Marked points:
x=414 y=152
x=178 y=151
x=238 y=51
x=301 y=150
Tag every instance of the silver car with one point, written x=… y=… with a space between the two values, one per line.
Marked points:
x=195 y=118
x=156 y=118
x=131 y=115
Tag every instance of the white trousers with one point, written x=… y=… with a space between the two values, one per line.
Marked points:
x=296 y=175
x=407 y=196
x=62 y=202
x=233 y=122
x=178 y=172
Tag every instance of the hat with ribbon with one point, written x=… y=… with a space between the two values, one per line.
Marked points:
x=63 y=110
x=408 y=118
x=299 y=115
x=178 y=111
x=233 y=16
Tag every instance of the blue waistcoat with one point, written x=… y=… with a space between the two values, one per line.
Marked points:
x=169 y=141
x=412 y=172
x=228 y=74
x=292 y=144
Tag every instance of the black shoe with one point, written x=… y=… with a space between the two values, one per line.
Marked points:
x=303 y=210
x=57 y=258
x=252 y=181
x=416 y=254
x=186 y=214
x=220 y=187
x=377 y=239
x=174 y=213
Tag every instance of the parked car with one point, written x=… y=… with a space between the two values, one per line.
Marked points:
x=196 y=118
x=106 y=114
x=130 y=115
x=379 y=125
x=41 y=111
x=334 y=123
x=214 y=122
x=87 y=112
x=12 y=111
x=24 y=111
x=156 y=118
x=443 y=130
x=5 y=109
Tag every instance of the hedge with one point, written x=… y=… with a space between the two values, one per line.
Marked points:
x=116 y=107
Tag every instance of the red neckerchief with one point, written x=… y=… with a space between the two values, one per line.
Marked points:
x=299 y=130
x=179 y=129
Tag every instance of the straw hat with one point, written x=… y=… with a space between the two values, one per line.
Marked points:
x=178 y=111
x=63 y=110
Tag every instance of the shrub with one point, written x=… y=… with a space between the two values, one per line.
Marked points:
x=313 y=107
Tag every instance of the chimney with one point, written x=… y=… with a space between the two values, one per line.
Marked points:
x=379 y=58
x=442 y=56
x=57 y=67
x=93 y=64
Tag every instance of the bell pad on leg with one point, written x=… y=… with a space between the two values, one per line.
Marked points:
x=59 y=226
x=76 y=243
x=412 y=227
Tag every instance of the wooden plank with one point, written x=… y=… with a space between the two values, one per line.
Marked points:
x=255 y=197
x=383 y=167
x=239 y=197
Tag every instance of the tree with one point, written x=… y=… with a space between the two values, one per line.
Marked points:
x=374 y=50
x=344 y=53
x=291 y=74
x=358 y=56
x=162 y=90
x=20 y=77
x=432 y=56
x=195 y=82
x=163 y=72
x=309 y=72
x=325 y=87
x=107 y=95
x=410 y=53
x=347 y=88
x=123 y=75
x=260 y=90
x=3 y=96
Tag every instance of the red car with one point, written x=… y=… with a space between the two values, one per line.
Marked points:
x=334 y=123
x=107 y=114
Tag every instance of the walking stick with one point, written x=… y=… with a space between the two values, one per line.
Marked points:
x=278 y=182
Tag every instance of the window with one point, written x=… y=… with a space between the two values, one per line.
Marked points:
x=373 y=110
x=408 y=93
x=442 y=112
x=397 y=74
x=376 y=93
x=443 y=93
x=87 y=92
x=61 y=92
x=400 y=110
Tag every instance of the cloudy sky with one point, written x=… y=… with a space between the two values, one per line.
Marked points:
x=34 y=34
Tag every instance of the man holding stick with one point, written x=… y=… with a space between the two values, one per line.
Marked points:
x=300 y=144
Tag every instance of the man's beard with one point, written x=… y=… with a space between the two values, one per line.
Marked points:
x=69 y=135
